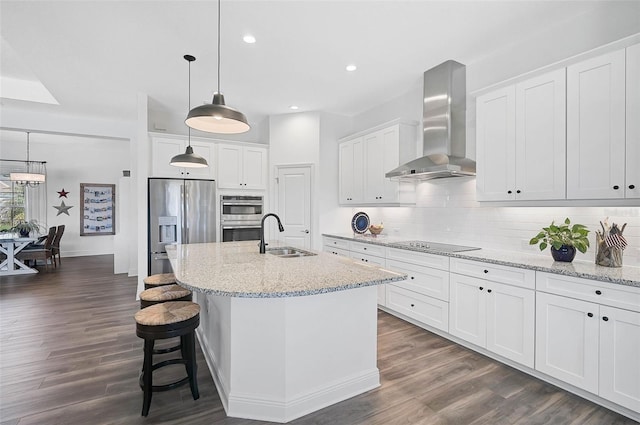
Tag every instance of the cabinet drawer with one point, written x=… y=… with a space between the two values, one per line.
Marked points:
x=369 y=249
x=524 y=278
x=427 y=310
x=430 y=260
x=368 y=259
x=627 y=297
x=424 y=280
x=337 y=243
x=337 y=251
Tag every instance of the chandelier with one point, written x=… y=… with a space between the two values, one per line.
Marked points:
x=34 y=175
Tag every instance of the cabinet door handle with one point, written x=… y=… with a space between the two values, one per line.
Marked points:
x=486 y=271
x=632 y=186
x=518 y=191
x=598 y=292
x=616 y=187
x=489 y=290
x=481 y=288
x=412 y=278
x=412 y=305
x=590 y=314
x=509 y=192
x=605 y=318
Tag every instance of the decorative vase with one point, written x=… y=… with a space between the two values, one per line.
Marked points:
x=24 y=233
x=565 y=253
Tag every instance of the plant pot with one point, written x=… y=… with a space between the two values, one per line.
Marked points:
x=565 y=253
x=24 y=233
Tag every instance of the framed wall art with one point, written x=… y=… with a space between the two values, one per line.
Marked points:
x=98 y=203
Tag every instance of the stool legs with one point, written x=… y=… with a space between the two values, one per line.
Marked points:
x=147 y=375
x=190 y=364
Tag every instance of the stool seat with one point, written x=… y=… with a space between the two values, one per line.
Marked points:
x=163 y=294
x=159 y=280
x=167 y=313
x=161 y=321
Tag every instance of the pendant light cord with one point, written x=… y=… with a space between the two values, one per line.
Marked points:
x=218 y=46
x=189 y=105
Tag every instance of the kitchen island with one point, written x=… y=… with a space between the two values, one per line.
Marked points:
x=283 y=337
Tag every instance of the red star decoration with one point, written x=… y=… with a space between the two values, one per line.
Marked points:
x=62 y=193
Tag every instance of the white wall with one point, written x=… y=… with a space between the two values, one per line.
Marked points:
x=72 y=160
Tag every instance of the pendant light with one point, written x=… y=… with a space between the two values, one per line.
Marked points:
x=28 y=179
x=217 y=117
x=189 y=159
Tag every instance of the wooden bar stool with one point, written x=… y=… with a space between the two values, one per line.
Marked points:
x=163 y=294
x=161 y=279
x=167 y=320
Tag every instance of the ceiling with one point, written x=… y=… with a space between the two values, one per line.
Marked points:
x=94 y=56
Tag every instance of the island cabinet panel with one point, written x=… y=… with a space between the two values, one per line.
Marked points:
x=588 y=335
x=490 y=314
x=596 y=127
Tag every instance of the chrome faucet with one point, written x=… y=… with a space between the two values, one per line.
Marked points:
x=263 y=246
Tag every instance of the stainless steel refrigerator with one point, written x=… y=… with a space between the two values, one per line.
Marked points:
x=179 y=211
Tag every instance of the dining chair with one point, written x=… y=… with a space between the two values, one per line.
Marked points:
x=55 y=246
x=39 y=252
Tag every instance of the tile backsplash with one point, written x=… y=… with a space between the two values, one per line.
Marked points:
x=446 y=211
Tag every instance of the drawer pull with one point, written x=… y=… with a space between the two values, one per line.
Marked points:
x=605 y=318
x=509 y=192
x=590 y=314
x=489 y=290
x=412 y=277
x=481 y=288
x=413 y=305
x=616 y=187
x=365 y=248
x=486 y=271
x=598 y=292
x=631 y=186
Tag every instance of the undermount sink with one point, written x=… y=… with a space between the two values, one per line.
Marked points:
x=289 y=252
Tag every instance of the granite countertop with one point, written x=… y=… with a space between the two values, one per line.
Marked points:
x=625 y=275
x=237 y=269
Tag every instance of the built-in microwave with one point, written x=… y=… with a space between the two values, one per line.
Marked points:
x=240 y=217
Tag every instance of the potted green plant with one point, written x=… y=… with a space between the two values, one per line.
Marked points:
x=26 y=227
x=564 y=239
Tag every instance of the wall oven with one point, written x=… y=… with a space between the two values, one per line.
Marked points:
x=240 y=217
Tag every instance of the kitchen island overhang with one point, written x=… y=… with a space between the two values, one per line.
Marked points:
x=283 y=337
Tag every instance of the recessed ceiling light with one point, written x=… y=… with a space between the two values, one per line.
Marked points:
x=351 y=68
x=293 y=107
x=249 y=39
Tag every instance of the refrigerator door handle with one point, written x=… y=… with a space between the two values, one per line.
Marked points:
x=185 y=214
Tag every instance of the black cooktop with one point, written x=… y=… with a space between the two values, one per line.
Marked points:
x=427 y=246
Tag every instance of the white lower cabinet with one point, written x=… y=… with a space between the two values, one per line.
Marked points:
x=427 y=310
x=492 y=315
x=588 y=344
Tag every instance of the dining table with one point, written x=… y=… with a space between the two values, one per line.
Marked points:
x=10 y=245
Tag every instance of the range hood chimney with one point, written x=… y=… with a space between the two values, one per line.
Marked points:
x=443 y=125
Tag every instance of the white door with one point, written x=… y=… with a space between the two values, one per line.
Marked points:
x=467 y=309
x=567 y=340
x=495 y=141
x=294 y=205
x=540 y=137
x=620 y=357
x=632 y=181
x=510 y=322
x=596 y=127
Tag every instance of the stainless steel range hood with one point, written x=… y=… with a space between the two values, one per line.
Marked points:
x=443 y=125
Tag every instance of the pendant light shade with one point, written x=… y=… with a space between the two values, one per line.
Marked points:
x=189 y=159
x=217 y=117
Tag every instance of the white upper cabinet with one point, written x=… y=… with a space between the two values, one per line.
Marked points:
x=165 y=148
x=521 y=140
x=242 y=167
x=596 y=128
x=632 y=180
x=365 y=158
x=351 y=171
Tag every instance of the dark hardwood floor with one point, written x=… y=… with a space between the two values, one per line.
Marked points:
x=69 y=355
